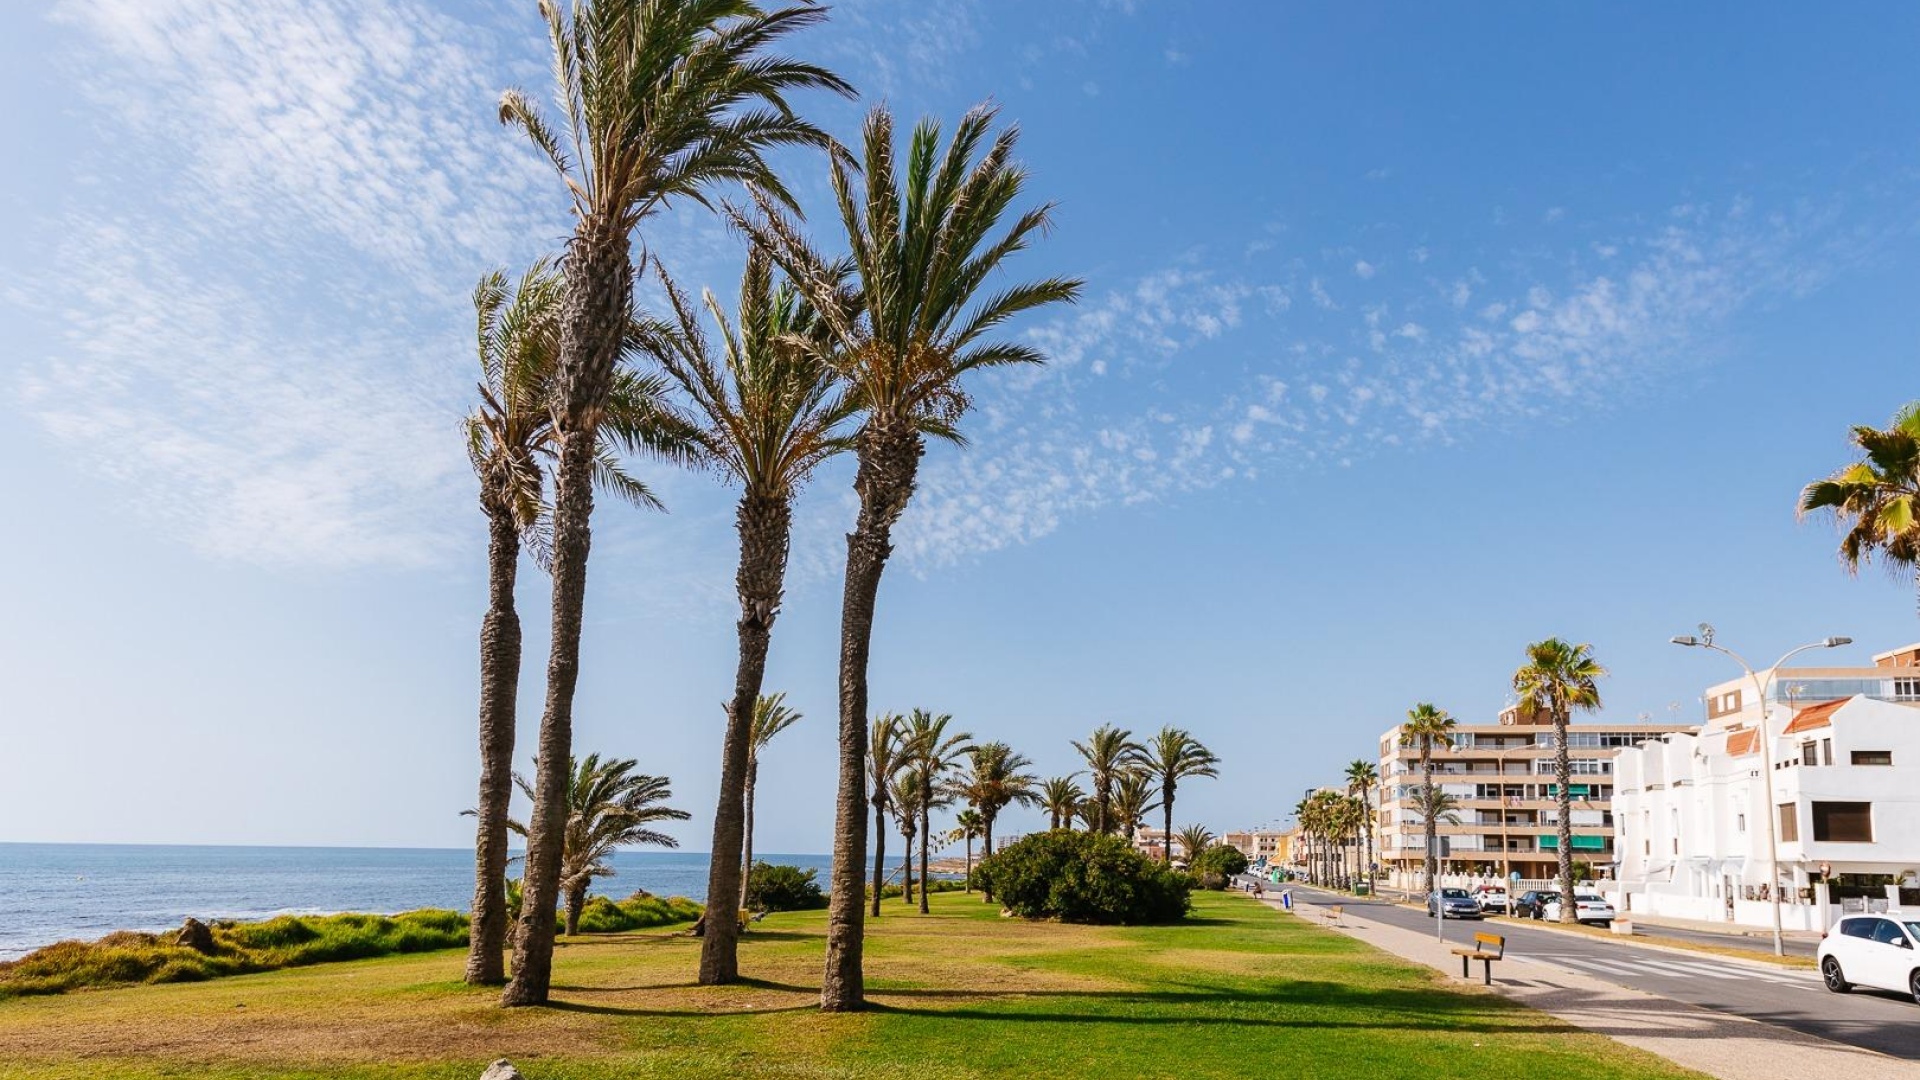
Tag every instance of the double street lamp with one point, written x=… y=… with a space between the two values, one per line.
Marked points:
x=1705 y=641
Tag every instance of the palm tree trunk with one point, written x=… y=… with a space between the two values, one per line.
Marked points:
x=906 y=869
x=926 y=829
x=594 y=318
x=969 y=882
x=879 y=853
x=576 y=901
x=1166 y=837
x=765 y=526
x=986 y=852
x=499 y=687
x=889 y=452
x=1433 y=824
x=1563 y=772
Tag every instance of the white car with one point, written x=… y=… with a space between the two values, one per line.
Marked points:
x=1491 y=898
x=1587 y=908
x=1871 y=950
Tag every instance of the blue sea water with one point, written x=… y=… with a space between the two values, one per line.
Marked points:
x=55 y=892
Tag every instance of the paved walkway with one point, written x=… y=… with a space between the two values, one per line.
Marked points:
x=1717 y=1044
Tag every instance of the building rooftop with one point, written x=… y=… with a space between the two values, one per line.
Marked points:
x=1815 y=716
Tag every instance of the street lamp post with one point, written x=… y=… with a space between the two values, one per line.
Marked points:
x=1705 y=641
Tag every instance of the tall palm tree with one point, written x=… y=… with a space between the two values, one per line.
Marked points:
x=885 y=755
x=1873 y=499
x=932 y=754
x=1194 y=839
x=908 y=799
x=609 y=806
x=905 y=339
x=1062 y=798
x=1558 y=678
x=1304 y=821
x=661 y=100
x=1108 y=752
x=770 y=717
x=1426 y=728
x=996 y=778
x=1173 y=756
x=510 y=441
x=1133 y=800
x=968 y=826
x=769 y=414
x=1363 y=778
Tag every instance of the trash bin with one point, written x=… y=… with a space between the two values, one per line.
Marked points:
x=1361 y=889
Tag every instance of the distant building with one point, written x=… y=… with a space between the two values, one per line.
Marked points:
x=1501 y=777
x=1270 y=845
x=1845 y=752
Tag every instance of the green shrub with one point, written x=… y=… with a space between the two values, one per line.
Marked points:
x=640 y=911
x=238 y=949
x=1083 y=877
x=783 y=888
x=1218 y=865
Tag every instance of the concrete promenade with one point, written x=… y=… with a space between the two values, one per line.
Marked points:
x=1715 y=1043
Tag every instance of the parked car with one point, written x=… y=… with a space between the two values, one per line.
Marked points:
x=1455 y=903
x=1588 y=907
x=1532 y=903
x=1871 y=950
x=1491 y=898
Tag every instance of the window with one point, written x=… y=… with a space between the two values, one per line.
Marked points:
x=1789 y=823
x=1860 y=928
x=1740 y=822
x=1906 y=688
x=1888 y=932
x=1843 y=822
x=1809 y=753
x=1873 y=757
x=1826 y=752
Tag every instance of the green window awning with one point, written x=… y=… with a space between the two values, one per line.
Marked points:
x=1551 y=842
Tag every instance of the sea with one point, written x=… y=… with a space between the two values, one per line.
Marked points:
x=57 y=892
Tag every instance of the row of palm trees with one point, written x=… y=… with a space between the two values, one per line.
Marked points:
x=916 y=764
x=663 y=103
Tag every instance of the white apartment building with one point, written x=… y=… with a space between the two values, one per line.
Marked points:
x=1692 y=811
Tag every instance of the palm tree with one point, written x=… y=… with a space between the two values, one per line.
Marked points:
x=1426 y=728
x=909 y=800
x=661 y=100
x=886 y=753
x=968 y=826
x=1172 y=756
x=609 y=806
x=1558 y=678
x=1873 y=499
x=1109 y=751
x=996 y=778
x=1133 y=800
x=769 y=414
x=510 y=441
x=770 y=717
x=932 y=754
x=1062 y=798
x=1363 y=777
x=1194 y=839
x=904 y=340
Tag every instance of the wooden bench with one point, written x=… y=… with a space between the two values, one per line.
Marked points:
x=1486 y=948
x=1332 y=915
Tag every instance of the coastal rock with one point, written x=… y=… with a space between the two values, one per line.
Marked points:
x=502 y=1070
x=195 y=935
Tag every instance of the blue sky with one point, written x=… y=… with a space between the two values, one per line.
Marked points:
x=1409 y=336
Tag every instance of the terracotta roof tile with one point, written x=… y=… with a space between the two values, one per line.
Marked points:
x=1743 y=742
x=1815 y=716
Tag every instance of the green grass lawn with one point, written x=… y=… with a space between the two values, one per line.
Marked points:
x=959 y=993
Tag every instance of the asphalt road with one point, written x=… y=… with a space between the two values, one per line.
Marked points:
x=1790 y=998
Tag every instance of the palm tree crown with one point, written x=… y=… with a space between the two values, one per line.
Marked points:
x=1133 y=800
x=1172 y=756
x=1062 y=798
x=1108 y=752
x=1873 y=499
x=609 y=806
x=1194 y=839
x=1558 y=678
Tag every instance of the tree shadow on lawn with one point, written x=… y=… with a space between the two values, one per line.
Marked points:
x=1298 y=1004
